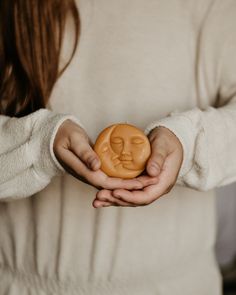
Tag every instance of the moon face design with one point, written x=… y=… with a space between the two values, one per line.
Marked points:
x=123 y=150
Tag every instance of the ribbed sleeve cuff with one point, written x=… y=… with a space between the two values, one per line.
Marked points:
x=183 y=128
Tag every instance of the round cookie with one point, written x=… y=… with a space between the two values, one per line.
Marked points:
x=123 y=150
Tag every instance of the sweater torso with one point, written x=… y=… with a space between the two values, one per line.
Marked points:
x=136 y=62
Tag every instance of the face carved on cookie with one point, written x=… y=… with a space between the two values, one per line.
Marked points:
x=123 y=150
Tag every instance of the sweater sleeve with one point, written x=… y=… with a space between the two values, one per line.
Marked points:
x=208 y=135
x=27 y=161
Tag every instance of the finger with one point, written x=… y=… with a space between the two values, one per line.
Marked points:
x=97 y=178
x=98 y=204
x=139 y=198
x=147 y=180
x=157 y=159
x=167 y=177
x=73 y=173
x=79 y=170
x=86 y=154
x=111 y=183
x=73 y=165
x=106 y=196
x=149 y=194
x=143 y=197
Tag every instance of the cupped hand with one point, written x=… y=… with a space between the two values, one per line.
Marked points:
x=74 y=152
x=163 y=166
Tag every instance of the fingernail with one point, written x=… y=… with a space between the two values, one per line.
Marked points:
x=94 y=164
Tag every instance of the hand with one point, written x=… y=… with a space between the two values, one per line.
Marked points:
x=164 y=164
x=73 y=150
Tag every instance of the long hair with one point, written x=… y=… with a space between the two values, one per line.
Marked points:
x=31 y=36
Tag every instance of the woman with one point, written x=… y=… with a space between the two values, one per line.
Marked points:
x=165 y=64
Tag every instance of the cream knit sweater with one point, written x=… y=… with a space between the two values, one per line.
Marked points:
x=151 y=63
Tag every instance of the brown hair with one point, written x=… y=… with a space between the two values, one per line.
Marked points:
x=31 y=35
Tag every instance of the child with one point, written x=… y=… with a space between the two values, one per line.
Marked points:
x=167 y=67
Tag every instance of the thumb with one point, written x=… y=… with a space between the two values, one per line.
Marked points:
x=87 y=155
x=156 y=161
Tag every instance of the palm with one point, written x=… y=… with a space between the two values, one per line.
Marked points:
x=149 y=194
x=167 y=155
